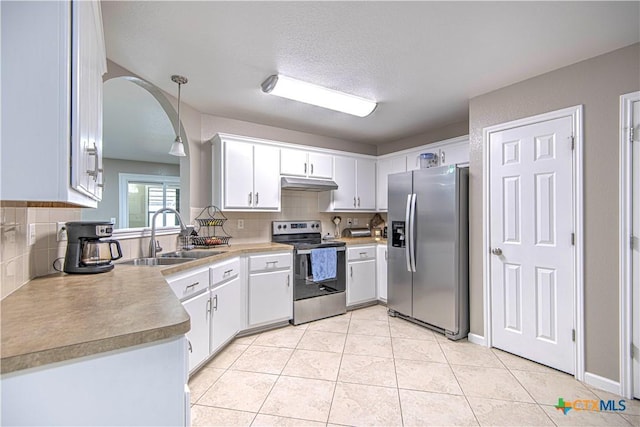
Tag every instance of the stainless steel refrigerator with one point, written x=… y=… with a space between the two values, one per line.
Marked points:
x=428 y=251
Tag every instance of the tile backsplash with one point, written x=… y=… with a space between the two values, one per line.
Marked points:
x=21 y=262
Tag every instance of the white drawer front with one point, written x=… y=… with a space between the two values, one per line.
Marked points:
x=276 y=261
x=361 y=252
x=189 y=283
x=225 y=270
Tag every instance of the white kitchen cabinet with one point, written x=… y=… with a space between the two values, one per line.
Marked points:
x=198 y=308
x=246 y=175
x=270 y=289
x=356 y=179
x=225 y=307
x=450 y=152
x=361 y=274
x=307 y=164
x=55 y=113
x=381 y=272
x=386 y=167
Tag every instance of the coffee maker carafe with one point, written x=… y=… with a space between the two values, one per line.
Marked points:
x=87 y=253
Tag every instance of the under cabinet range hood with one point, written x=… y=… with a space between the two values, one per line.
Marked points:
x=307 y=184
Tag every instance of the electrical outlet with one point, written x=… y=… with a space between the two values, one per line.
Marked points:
x=240 y=224
x=32 y=234
x=61 y=232
x=355 y=221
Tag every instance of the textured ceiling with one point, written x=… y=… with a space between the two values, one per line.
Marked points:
x=135 y=125
x=421 y=60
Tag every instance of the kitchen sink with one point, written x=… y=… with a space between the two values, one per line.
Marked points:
x=158 y=261
x=190 y=254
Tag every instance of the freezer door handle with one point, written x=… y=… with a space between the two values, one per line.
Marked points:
x=407 y=235
x=412 y=232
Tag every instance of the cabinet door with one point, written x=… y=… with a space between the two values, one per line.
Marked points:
x=270 y=297
x=225 y=304
x=320 y=165
x=238 y=174
x=293 y=162
x=366 y=184
x=345 y=176
x=198 y=336
x=453 y=154
x=266 y=181
x=381 y=273
x=361 y=283
x=385 y=168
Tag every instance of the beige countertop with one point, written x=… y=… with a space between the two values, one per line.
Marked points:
x=64 y=316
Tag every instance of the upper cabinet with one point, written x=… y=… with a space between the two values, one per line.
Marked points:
x=356 y=179
x=306 y=164
x=246 y=175
x=452 y=152
x=387 y=166
x=52 y=116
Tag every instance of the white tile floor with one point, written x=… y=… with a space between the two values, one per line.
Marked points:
x=365 y=368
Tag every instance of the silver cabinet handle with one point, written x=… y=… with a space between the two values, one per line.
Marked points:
x=358 y=201
x=96 y=162
x=190 y=347
x=305 y=168
x=441 y=157
x=228 y=272
x=192 y=285
x=209 y=306
x=288 y=281
x=351 y=271
x=257 y=199
x=215 y=303
x=386 y=255
x=272 y=263
x=354 y=202
x=250 y=194
x=311 y=168
x=363 y=254
x=496 y=251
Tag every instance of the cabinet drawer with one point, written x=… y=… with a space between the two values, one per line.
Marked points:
x=189 y=283
x=225 y=271
x=361 y=252
x=276 y=261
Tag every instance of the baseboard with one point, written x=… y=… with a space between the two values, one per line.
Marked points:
x=477 y=339
x=602 y=383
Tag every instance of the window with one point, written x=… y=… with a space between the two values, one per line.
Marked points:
x=142 y=195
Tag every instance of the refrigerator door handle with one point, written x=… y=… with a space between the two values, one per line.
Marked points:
x=412 y=232
x=407 y=235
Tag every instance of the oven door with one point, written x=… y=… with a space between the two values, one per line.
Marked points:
x=305 y=287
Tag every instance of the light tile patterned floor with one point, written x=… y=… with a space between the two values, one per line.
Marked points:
x=365 y=368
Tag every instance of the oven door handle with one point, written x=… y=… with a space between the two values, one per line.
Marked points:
x=308 y=251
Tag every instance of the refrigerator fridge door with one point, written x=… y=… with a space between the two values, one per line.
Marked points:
x=435 y=233
x=399 y=275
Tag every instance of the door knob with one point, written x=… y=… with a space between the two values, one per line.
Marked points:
x=496 y=251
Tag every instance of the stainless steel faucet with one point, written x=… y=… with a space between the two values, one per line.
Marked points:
x=154 y=245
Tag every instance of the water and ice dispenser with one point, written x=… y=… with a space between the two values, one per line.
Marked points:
x=398 y=234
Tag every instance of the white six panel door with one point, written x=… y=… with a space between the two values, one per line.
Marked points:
x=531 y=218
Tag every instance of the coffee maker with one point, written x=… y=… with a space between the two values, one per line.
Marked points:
x=87 y=253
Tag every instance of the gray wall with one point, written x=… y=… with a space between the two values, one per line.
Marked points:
x=450 y=131
x=109 y=206
x=597 y=84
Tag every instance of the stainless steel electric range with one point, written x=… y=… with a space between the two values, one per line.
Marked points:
x=312 y=300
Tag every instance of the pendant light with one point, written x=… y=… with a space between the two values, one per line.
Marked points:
x=177 y=148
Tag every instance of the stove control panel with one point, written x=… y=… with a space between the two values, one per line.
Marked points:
x=295 y=227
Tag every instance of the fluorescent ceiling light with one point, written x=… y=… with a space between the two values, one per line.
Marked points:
x=287 y=87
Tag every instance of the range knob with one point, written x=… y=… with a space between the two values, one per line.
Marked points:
x=284 y=226
x=279 y=227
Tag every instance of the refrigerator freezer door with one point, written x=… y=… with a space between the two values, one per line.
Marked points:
x=399 y=277
x=435 y=283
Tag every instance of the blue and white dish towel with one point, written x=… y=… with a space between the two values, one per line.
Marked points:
x=323 y=264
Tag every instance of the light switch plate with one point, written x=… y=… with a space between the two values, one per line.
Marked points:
x=32 y=234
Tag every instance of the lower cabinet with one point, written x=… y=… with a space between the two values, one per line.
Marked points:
x=381 y=276
x=270 y=289
x=198 y=335
x=225 y=306
x=361 y=274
